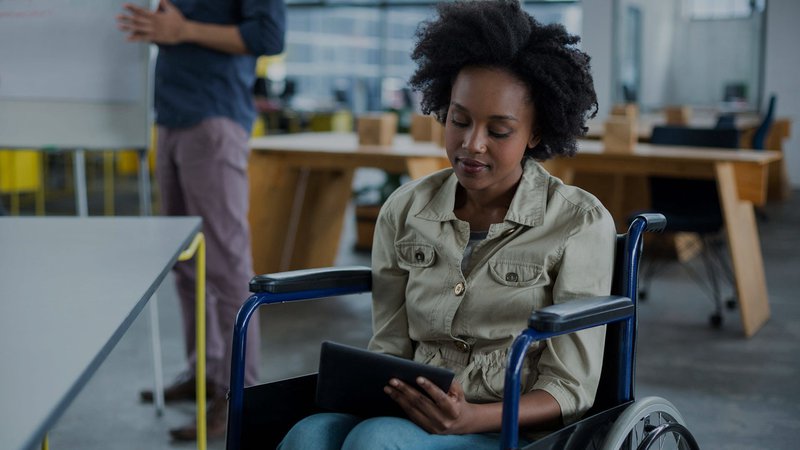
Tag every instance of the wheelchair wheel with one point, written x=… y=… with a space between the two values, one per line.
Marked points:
x=650 y=423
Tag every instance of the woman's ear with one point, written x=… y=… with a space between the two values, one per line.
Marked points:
x=534 y=140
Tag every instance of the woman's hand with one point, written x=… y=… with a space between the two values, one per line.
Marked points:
x=442 y=413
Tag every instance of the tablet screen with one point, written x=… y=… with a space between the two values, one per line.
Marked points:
x=352 y=379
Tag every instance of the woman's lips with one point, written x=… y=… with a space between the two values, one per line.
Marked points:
x=471 y=166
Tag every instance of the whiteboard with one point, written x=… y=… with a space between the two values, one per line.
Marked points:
x=69 y=78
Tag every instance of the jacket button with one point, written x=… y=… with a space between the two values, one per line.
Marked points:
x=459 y=289
x=419 y=256
x=512 y=276
x=462 y=346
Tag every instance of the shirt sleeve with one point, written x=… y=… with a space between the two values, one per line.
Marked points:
x=389 y=317
x=263 y=26
x=569 y=368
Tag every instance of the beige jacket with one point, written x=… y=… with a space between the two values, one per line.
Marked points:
x=556 y=244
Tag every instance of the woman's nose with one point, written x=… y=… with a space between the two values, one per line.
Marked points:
x=475 y=141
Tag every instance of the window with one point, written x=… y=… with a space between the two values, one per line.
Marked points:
x=342 y=52
x=702 y=53
x=722 y=9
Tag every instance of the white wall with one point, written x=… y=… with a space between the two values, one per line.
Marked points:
x=596 y=40
x=782 y=73
x=658 y=27
x=782 y=66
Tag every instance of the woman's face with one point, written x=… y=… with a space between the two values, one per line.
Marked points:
x=490 y=122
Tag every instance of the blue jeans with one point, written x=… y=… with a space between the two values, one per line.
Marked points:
x=334 y=431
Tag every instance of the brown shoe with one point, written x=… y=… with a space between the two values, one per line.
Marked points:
x=216 y=422
x=184 y=389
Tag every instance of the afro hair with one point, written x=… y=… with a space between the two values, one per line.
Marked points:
x=499 y=34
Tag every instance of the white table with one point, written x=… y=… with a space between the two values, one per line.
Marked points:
x=69 y=289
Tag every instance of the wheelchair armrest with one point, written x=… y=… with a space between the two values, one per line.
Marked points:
x=302 y=280
x=579 y=314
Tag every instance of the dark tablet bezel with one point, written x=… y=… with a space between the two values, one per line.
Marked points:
x=351 y=379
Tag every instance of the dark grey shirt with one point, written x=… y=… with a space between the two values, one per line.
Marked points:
x=194 y=83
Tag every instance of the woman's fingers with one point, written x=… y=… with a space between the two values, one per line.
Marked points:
x=442 y=399
x=436 y=412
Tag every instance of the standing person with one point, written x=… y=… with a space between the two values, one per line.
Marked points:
x=204 y=80
x=463 y=256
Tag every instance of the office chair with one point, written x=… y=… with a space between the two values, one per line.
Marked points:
x=727 y=120
x=692 y=206
x=760 y=136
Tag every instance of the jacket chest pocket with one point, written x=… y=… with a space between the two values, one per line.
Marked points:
x=516 y=273
x=415 y=254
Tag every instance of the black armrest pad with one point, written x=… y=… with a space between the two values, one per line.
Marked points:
x=578 y=314
x=303 y=280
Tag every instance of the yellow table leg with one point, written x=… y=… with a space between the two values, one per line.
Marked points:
x=108 y=182
x=198 y=250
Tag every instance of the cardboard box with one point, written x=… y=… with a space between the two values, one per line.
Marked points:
x=629 y=110
x=620 y=135
x=377 y=129
x=678 y=115
x=426 y=129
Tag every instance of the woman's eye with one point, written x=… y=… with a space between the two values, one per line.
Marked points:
x=498 y=134
x=458 y=123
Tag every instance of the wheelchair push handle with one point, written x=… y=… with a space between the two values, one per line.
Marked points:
x=654 y=222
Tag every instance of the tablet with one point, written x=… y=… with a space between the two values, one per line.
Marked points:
x=351 y=379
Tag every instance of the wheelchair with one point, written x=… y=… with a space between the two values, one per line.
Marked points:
x=259 y=416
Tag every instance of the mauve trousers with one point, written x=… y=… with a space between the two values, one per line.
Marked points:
x=202 y=171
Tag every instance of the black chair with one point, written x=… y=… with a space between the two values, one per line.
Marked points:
x=259 y=416
x=692 y=206
x=760 y=135
x=727 y=120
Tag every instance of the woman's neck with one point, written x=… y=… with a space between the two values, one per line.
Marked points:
x=482 y=209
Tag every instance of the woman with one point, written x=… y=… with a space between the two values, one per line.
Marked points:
x=462 y=257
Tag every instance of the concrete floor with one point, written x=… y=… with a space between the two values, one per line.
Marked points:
x=735 y=393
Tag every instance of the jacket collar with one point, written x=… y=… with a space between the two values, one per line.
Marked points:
x=527 y=207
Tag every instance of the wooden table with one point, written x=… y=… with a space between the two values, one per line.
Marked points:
x=741 y=177
x=699 y=119
x=779 y=185
x=70 y=288
x=301 y=185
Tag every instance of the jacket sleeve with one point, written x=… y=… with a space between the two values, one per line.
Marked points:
x=389 y=317
x=569 y=368
x=263 y=26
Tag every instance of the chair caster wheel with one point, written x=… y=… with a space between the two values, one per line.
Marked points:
x=715 y=320
x=731 y=303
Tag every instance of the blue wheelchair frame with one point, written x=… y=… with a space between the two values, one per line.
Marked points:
x=545 y=323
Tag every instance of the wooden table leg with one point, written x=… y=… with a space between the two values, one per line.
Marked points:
x=272 y=191
x=296 y=214
x=325 y=199
x=745 y=250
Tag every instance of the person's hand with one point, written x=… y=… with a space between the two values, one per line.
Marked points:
x=163 y=26
x=442 y=413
